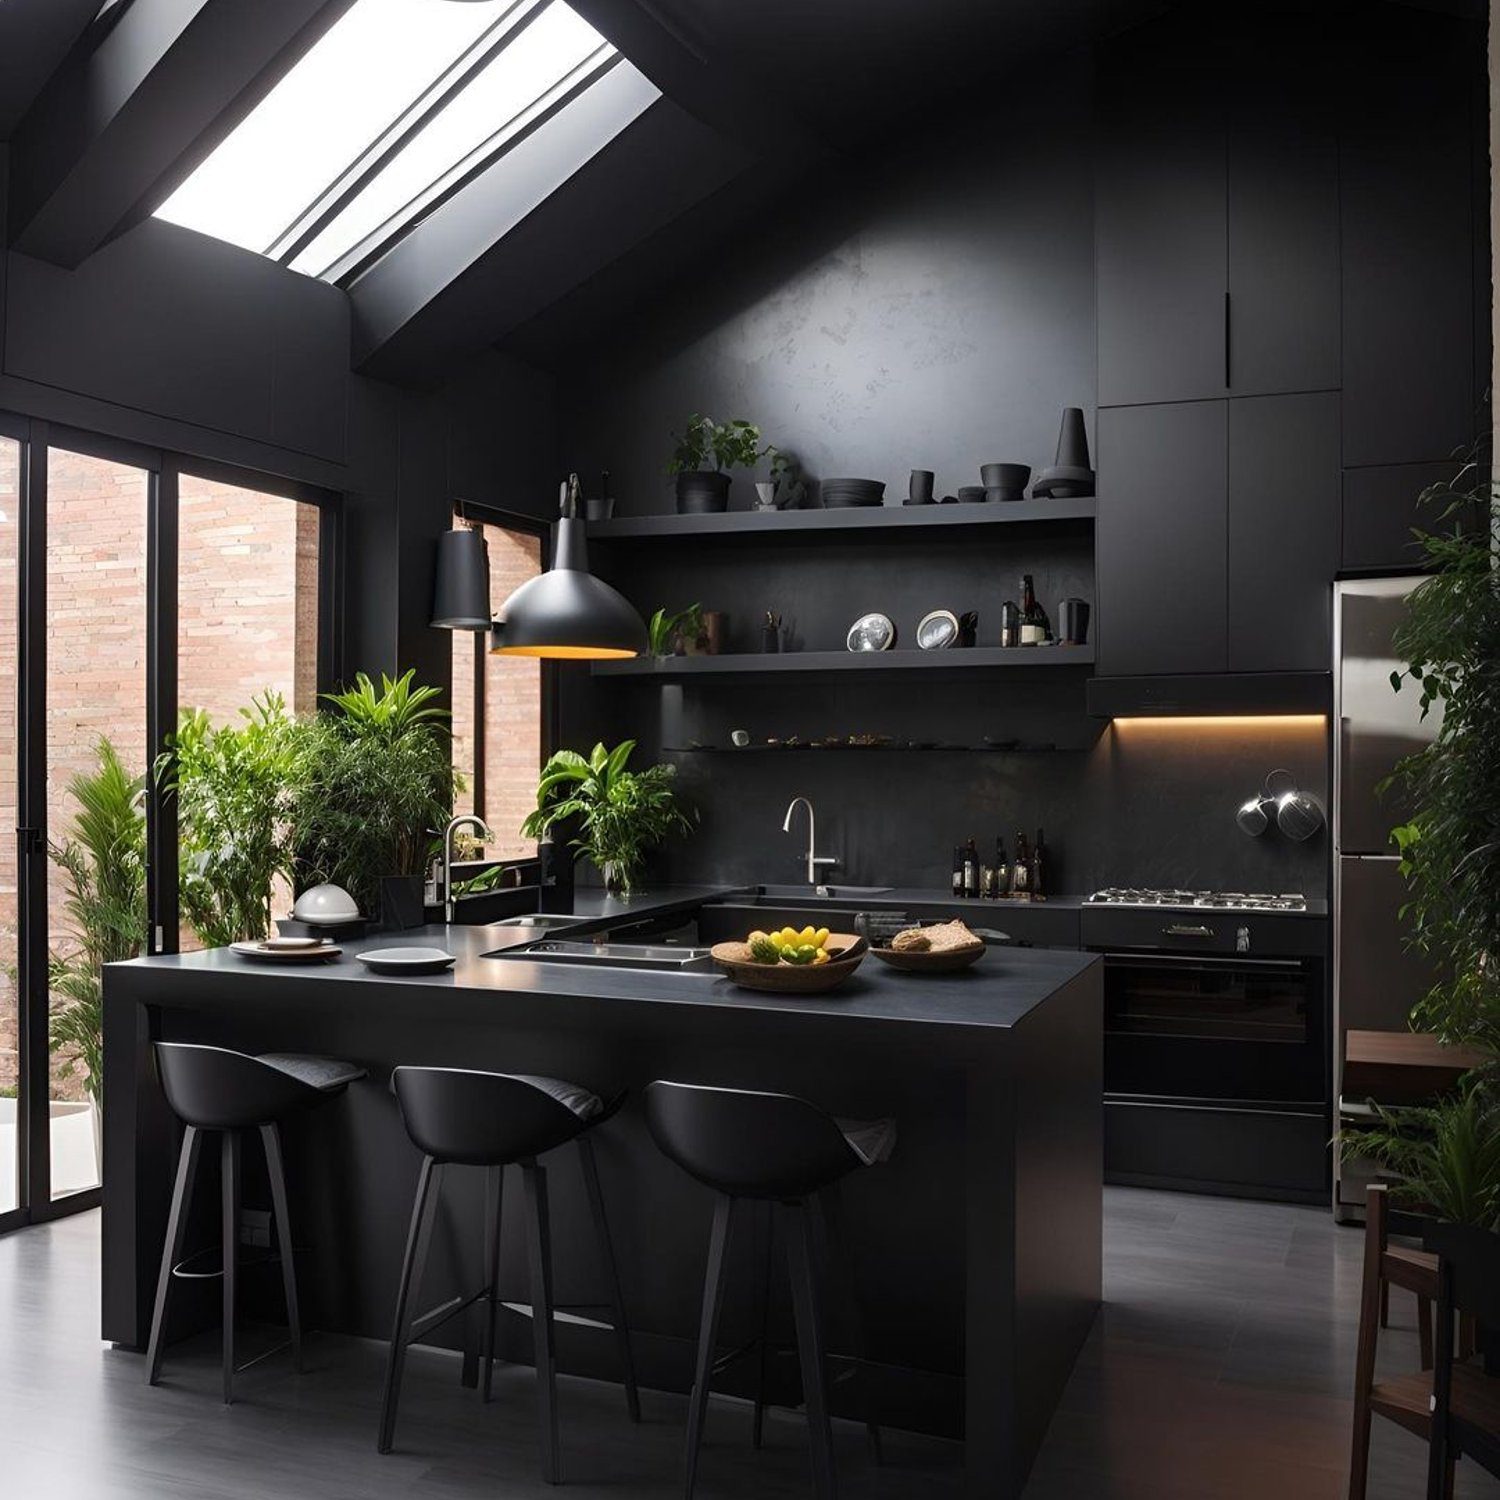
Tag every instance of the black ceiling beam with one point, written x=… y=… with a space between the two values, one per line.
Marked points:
x=122 y=124
x=531 y=228
x=35 y=36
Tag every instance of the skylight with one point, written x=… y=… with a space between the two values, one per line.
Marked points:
x=389 y=110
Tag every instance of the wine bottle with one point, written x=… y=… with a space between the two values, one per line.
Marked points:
x=1020 y=871
x=1035 y=627
x=958 y=870
x=1038 y=874
x=1002 y=869
x=971 y=869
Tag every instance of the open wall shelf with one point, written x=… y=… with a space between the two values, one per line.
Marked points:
x=897 y=520
x=959 y=659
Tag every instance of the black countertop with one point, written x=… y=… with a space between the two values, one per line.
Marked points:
x=997 y=993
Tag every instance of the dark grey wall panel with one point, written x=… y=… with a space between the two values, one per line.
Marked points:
x=1380 y=510
x=1162 y=538
x=1283 y=531
x=936 y=312
x=170 y=322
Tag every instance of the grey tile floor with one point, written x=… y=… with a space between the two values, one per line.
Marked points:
x=1219 y=1369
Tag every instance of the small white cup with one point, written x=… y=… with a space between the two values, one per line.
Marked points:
x=741 y=737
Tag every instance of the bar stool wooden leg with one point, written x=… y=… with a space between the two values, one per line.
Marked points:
x=171 y=1251
x=611 y=1275
x=418 y=1238
x=494 y=1198
x=539 y=1255
x=229 y=1157
x=708 y=1333
x=276 y=1170
x=807 y=1306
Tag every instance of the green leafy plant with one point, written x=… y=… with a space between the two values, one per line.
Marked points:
x=230 y=782
x=734 y=444
x=103 y=860
x=371 y=783
x=1444 y=1158
x=1450 y=848
x=620 y=814
x=665 y=629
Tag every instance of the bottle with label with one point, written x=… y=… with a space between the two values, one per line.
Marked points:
x=971 y=869
x=958 y=869
x=1010 y=623
x=1038 y=873
x=1002 y=870
x=1020 y=871
x=1036 y=629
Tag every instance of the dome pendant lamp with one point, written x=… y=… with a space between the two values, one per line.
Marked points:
x=567 y=612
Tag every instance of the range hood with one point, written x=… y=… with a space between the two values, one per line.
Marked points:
x=1210 y=694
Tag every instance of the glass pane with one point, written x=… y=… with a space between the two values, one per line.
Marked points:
x=10 y=1075
x=512 y=708
x=544 y=54
x=353 y=84
x=95 y=744
x=247 y=639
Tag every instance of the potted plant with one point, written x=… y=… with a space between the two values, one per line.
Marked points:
x=230 y=782
x=372 y=782
x=702 y=490
x=671 y=635
x=619 y=814
x=103 y=861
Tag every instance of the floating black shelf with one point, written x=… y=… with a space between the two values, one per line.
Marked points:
x=960 y=659
x=872 y=520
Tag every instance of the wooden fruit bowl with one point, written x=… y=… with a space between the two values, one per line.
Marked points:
x=845 y=954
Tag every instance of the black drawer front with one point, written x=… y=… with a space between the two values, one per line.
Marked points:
x=1173 y=930
x=1251 y=1153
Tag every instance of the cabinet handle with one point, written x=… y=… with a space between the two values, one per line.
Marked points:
x=1227 y=381
x=1183 y=929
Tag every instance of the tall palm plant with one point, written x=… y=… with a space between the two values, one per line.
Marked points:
x=104 y=862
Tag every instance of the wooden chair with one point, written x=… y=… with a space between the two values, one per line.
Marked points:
x=1404 y=1399
x=1466 y=1393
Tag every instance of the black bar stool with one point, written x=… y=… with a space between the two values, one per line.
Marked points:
x=457 y=1116
x=213 y=1089
x=783 y=1150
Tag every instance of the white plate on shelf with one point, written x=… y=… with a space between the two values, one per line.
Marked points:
x=287 y=951
x=407 y=960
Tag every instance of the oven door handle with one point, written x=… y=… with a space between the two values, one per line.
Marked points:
x=1187 y=929
x=1158 y=958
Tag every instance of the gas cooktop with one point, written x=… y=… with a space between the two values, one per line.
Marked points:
x=1220 y=900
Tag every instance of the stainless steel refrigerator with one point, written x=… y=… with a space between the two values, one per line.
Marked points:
x=1376 y=980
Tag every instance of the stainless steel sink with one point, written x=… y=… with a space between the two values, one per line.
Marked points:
x=823 y=892
x=664 y=957
x=541 y=920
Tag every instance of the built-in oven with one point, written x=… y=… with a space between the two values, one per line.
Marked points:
x=1215 y=1049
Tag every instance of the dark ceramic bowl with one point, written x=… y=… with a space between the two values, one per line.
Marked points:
x=1005 y=496
x=1005 y=476
x=971 y=494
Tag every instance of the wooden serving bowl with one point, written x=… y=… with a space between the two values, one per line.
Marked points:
x=845 y=954
x=947 y=961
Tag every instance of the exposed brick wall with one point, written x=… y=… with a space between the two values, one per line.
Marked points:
x=513 y=705
x=248 y=569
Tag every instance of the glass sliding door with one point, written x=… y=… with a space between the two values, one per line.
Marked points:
x=96 y=753
x=247 y=658
x=10 y=821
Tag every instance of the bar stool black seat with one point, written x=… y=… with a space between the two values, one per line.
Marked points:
x=214 y=1089
x=464 y=1117
x=786 y=1151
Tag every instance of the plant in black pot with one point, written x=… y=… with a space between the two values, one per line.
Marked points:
x=617 y=814
x=372 y=782
x=701 y=489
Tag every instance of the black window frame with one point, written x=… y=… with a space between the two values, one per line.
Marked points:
x=163 y=468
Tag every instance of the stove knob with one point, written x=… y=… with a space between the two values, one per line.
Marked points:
x=1242 y=940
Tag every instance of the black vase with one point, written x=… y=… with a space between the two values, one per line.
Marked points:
x=702 y=492
x=401 y=903
x=1073 y=440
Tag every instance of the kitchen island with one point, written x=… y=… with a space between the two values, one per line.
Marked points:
x=975 y=1252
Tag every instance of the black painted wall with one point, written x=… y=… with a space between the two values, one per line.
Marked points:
x=932 y=311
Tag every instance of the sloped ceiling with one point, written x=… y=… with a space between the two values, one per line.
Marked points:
x=35 y=36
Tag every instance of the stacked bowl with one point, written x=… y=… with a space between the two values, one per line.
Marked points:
x=839 y=493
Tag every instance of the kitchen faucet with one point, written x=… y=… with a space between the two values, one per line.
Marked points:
x=814 y=859
x=463 y=820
